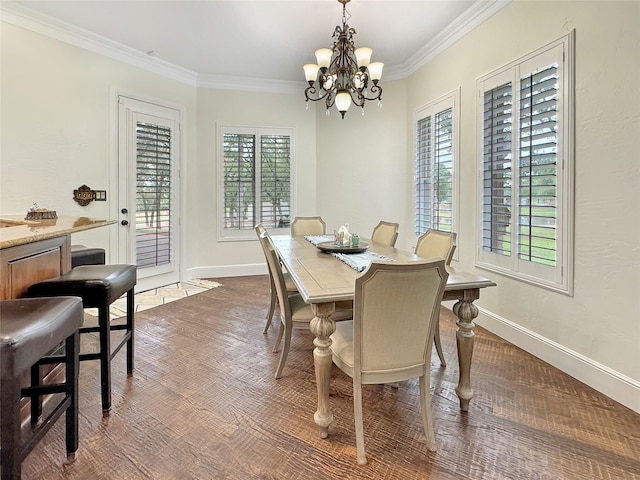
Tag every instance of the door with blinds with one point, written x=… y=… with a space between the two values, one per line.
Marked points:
x=149 y=233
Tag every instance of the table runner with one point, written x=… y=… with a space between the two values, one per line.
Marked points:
x=360 y=261
x=316 y=239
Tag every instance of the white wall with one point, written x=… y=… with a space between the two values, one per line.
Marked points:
x=209 y=257
x=362 y=169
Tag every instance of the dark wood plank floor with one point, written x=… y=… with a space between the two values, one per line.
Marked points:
x=203 y=404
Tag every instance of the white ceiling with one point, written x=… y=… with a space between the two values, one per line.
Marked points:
x=266 y=39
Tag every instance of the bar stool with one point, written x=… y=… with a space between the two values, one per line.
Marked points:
x=30 y=329
x=81 y=255
x=98 y=286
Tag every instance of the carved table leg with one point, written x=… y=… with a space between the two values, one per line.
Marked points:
x=466 y=311
x=322 y=326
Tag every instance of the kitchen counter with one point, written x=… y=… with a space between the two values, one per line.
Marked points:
x=35 y=250
x=15 y=230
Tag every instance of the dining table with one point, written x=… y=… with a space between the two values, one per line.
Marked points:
x=325 y=276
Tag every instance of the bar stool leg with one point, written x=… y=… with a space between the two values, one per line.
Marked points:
x=130 y=314
x=36 y=400
x=72 y=367
x=105 y=358
x=10 y=436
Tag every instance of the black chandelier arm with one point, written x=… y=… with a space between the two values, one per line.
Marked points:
x=312 y=90
x=359 y=96
x=375 y=91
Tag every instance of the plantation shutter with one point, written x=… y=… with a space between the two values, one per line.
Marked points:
x=424 y=179
x=496 y=184
x=442 y=200
x=153 y=202
x=275 y=174
x=537 y=210
x=239 y=180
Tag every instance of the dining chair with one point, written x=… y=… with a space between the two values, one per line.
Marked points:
x=389 y=340
x=294 y=312
x=289 y=283
x=437 y=244
x=308 y=226
x=386 y=233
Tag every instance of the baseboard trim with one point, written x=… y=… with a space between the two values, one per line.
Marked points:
x=225 y=271
x=611 y=383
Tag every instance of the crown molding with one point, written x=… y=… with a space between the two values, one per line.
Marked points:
x=249 y=84
x=29 y=19
x=16 y=14
x=474 y=16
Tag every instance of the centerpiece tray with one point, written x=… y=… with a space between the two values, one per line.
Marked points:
x=330 y=247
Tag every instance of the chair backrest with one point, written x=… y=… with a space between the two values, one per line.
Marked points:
x=386 y=232
x=395 y=309
x=436 y=244
x=308 y=226
x=276 y=273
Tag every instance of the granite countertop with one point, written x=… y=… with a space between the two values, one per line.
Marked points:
x=15 y=230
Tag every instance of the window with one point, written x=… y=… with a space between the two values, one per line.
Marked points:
x=256 y=179
x=436 y=159
x=526 y=168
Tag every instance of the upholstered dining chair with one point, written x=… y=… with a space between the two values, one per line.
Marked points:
x=290 y=284
x=294 y=312
x=437 y=244
x=308 y=226
x=396 y=308
x=386 y=233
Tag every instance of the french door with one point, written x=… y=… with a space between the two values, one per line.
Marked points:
x=148 y=191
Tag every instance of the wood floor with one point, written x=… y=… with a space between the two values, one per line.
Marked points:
x=203 y=404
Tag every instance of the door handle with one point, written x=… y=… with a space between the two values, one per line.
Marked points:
x=124 y=222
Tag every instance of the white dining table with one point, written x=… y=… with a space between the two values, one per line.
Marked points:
x=322 y=280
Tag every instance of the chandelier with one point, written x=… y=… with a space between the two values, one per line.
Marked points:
x=343 y=72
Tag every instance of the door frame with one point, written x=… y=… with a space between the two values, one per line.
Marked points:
x=114 y=182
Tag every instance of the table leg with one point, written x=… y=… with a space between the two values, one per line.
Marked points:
x=466 y=311
x=322 y=326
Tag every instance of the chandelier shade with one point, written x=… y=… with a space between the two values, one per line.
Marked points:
x=343 y=74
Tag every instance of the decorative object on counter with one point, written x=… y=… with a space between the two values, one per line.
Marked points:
x=37 y=213
x=342 y=235
x=84 y=195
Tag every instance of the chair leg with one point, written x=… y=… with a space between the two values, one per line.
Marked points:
x=72 y=349
x=105 y=358
x=10 y=435
x=276 y=346
x=130 y=330
x=425 y=410
x=359 y=424
x=285 y=349
x=272 y=306
x=436 y=339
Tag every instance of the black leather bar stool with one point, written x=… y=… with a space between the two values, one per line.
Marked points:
x=81 y=255
x=98 y=286
x=31 y=329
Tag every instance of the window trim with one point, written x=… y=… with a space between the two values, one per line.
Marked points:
x=560 y=278
x=448 y=100
x=229 y=235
